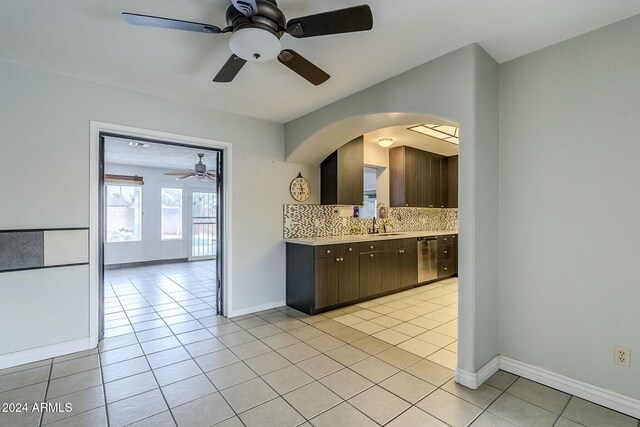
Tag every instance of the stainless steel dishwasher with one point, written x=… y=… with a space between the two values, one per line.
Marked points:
x=427 y=259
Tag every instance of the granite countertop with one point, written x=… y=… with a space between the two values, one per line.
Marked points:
x=355 y=238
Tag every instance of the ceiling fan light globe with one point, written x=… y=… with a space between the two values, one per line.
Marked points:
x=255 y=44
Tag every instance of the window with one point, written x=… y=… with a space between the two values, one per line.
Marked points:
x=124 y=213
x=370 y=183
x=171 y=205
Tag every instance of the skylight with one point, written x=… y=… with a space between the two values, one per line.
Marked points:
x=442 y=132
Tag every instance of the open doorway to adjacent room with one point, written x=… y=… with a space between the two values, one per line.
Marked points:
x=410 y=182
x=160 y=228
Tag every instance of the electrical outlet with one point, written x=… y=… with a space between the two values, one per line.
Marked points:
x=622 y=356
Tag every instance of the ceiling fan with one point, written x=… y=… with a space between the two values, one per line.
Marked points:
x=258 y=25
x=199 y=171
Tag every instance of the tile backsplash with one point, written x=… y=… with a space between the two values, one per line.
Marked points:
x=323 y=220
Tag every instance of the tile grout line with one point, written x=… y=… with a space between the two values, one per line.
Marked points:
x=104 y=387
x=41 y=417
x=147 y=360
x=191 y=358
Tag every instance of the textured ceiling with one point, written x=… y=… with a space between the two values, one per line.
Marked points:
x=161 y=156
x=89 y=39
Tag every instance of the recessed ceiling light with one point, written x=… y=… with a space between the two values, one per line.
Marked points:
x=442 y=132
x=385 y=142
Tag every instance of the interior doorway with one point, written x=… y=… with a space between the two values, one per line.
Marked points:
x=161 y=258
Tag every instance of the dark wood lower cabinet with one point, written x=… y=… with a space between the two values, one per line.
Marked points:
x=370 y=274
x=447 y=255
x=408 y=267
x=349 y=275
x=324 y=277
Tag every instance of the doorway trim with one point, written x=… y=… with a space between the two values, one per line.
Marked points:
x=95 y=129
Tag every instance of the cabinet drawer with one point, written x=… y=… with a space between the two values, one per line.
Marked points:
x=446 y=238
x=376 y=246
x=405 y=243
x=326 y=251
x=445 y=268
x=445 y=251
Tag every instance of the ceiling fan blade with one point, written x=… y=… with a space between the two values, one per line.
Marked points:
x=175 y=24
x=185 y=177
x=211 y=175
x=351 y=19
x=247 y=7
x=230 y=69
x=300 y=65
x=179 y=173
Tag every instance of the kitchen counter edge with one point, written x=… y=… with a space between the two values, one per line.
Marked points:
x=334 y=240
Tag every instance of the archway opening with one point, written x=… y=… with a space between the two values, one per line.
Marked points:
x=435 y=325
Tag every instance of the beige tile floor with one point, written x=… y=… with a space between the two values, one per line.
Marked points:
x=168 y=360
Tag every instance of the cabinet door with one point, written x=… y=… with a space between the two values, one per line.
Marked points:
x=389 y=265
x=370 y=274
x=397 y=179
x=349 y=274
x=454 y=254
x=341 y=175
x=424 y=187
x=452 y=182
x=409 y=267
x=326 y=281
x=414 y=177
x=443 y=198
x=351 y=172
x=434 y=181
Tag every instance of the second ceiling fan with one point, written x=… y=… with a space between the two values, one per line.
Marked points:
x=258 y=25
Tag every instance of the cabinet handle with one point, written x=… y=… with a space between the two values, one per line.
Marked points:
x=371 y=255
x=337 y=259
x=350 y=249
x=445 y=252
x=328 y=251
x=371 y=247
x=445 y=269
x=341 y=259
x=406 y=204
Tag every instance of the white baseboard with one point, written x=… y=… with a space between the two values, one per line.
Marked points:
x=256 y=308
x=473 y=380
x=607 y=398
x=40 y=353
x=601 y=396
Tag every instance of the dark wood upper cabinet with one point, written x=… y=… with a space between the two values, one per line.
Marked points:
x=452 y=183
x=342 y=175
x=408 y=172
x=419 y=178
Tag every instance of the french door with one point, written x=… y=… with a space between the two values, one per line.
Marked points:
x=204 y=225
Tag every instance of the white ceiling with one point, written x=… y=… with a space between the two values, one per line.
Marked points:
x=160 y=156
x=89 y=39
x=403 y=136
